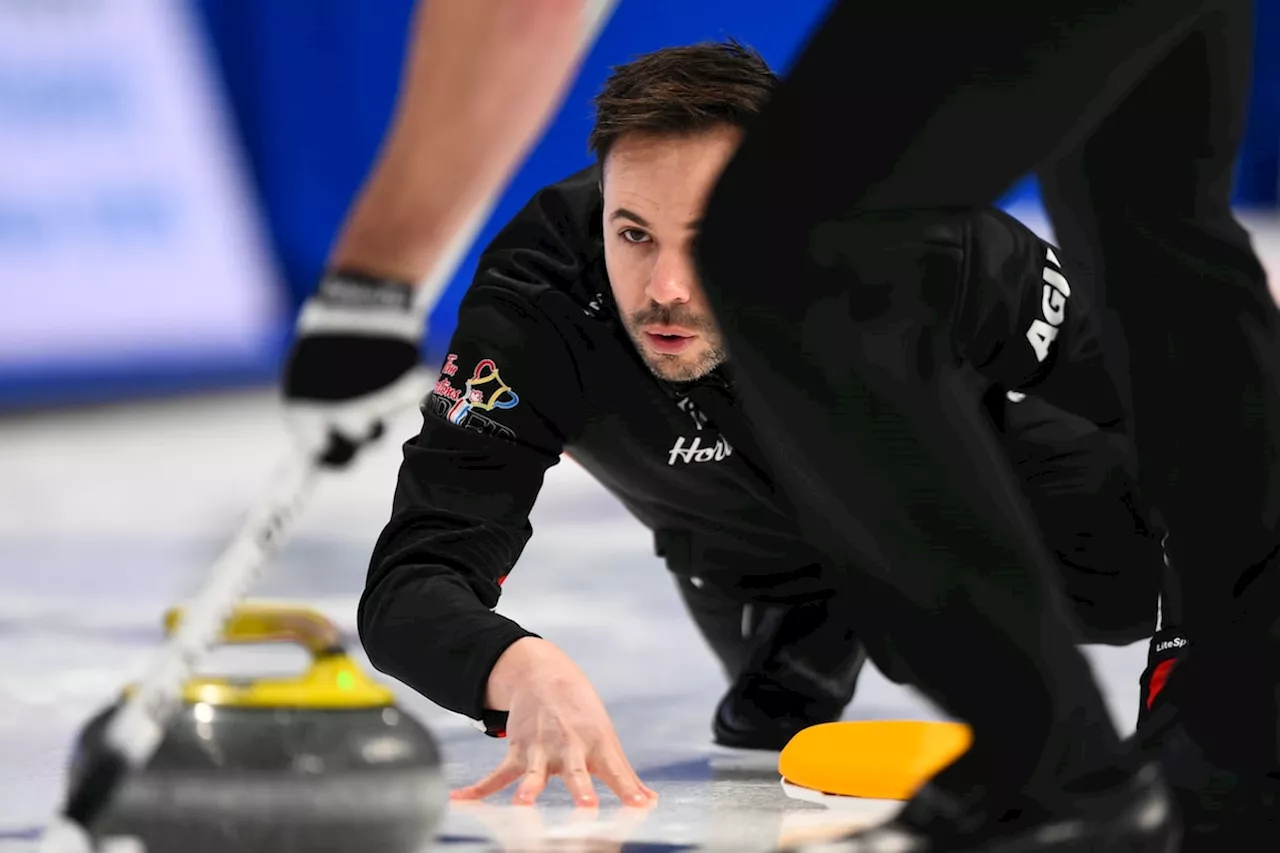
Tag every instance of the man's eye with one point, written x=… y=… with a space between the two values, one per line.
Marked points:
x=634 y=235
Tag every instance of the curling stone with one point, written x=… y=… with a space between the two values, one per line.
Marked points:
x=323 y=761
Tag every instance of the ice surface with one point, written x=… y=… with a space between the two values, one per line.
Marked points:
x=109 y=516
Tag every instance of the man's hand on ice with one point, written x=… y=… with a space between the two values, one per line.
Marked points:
x=556 y=726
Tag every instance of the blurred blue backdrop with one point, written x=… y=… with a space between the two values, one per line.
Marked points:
x=310 y=85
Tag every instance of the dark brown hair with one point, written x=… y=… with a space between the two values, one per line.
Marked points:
x=681 y=90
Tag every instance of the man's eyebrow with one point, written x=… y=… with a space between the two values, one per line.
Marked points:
x=623 y=213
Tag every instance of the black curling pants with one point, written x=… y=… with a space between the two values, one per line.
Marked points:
x=879 y=435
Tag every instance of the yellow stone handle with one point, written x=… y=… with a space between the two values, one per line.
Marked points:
x=332 y=681
x=274 y=623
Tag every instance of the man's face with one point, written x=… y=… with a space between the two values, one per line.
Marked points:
x=655 y=188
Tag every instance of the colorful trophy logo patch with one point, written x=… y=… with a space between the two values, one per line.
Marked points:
x=485 y=391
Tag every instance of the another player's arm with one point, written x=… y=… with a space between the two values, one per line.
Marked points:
x=1022 y=323
x=480 y=81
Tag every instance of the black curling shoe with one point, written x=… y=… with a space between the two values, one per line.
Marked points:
x=1137 y=816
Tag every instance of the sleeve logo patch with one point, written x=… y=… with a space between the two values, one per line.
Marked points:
x=1053 y=305
x=484 y=391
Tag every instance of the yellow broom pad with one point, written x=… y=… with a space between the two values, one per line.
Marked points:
x=876 y=759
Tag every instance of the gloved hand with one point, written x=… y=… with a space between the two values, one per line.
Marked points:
x=354 y=362
x=1168 y=647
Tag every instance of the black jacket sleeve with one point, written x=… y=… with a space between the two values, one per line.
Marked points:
x=505 y=404
x=1021 y=324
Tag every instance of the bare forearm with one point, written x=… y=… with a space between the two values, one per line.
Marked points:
x=481 y=81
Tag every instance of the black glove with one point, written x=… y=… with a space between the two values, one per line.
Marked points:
x=1168 y=646
x=355 y=361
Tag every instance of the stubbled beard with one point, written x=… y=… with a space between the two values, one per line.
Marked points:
x=677 y=367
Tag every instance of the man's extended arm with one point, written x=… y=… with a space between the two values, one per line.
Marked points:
x=499 y=415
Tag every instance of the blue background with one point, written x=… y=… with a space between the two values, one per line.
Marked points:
x=311 y=85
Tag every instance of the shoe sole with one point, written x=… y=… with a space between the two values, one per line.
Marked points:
x=876 y=809
x=874 y=812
